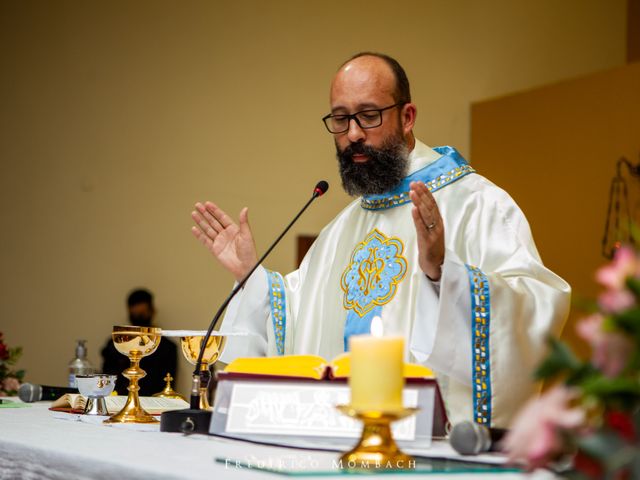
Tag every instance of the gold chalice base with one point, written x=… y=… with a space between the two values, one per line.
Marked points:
x=132 y=414
x=134 y=342
x=376 y=449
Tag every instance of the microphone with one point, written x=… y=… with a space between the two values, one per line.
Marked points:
x=470 y=438
x=29 y=392
x=321 y=189
x=193 y=419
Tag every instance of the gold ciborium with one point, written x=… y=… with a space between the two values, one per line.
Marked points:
x=191 y=349
x=376 y=448
x=135 y=343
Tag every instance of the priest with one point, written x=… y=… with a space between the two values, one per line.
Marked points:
x=442 y=255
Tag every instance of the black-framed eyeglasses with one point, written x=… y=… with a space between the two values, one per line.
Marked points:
x=371 y=118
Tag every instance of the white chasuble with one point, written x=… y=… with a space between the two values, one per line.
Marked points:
x=481 y=328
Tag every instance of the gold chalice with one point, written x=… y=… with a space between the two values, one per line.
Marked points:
x=134 y=342
x=191 y=349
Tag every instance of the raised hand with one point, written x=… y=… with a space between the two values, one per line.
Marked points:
x=429 y=230
x=231 y=244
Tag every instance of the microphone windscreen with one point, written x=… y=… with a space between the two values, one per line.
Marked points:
x=469 y=438
x=321 y=188
x=29 y=392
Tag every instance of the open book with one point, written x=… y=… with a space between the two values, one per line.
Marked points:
x=282 y=399
x=308 y=366
x=75 y=402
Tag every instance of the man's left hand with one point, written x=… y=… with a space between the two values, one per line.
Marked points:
x=429 y=230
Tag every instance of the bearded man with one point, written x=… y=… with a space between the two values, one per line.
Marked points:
x=442 y=255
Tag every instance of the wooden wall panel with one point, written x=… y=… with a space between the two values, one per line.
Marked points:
x=554 y=149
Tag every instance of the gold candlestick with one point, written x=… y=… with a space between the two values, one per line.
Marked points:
x=376 y=448
x=168 y=391
x=191 y=349
x=136 y=343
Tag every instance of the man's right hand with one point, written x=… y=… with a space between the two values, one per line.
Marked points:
x=231 y=244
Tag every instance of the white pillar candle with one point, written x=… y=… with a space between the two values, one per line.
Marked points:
x=376 y=378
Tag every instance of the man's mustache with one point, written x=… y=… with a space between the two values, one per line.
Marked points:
x=357 y=148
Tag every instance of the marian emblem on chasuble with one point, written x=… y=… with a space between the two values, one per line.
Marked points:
x=372 y=277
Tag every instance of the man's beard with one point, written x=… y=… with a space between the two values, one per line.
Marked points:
x=381 y=173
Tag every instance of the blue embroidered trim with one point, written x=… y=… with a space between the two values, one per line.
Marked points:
x=278 y=304
x=481 y=354
x=451 y=166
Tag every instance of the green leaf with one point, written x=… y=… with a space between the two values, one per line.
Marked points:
x=582 y=374
x=618 y=392
x=600 y=445
x=628 y=321
x=14 y=355
x=610 y=450
x=635 y=466
x=634 y=285
x=560 y=361
x=623 y=458
x=574 y=475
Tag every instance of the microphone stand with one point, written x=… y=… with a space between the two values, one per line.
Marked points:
x=194 y=419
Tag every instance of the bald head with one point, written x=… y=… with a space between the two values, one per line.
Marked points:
x=383 y=69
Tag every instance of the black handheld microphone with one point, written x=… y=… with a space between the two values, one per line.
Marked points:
x=29 y=392
x=193 y=419
x=470 y=438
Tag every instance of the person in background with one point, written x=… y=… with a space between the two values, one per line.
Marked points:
x=157 y=365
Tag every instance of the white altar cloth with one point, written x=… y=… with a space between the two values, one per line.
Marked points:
x=35 y=445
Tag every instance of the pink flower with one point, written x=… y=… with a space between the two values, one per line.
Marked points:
x=590 y=328
x=535 y=435
x=614 y=274
x=10 y=384
x=610 y=350
x=616 y=301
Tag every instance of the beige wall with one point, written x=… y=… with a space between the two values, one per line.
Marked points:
x=115 y=117
x=555 y=149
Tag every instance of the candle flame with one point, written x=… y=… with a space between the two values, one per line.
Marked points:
x=376 y=327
